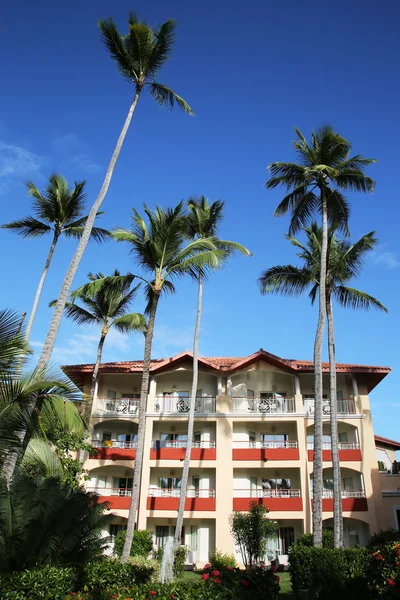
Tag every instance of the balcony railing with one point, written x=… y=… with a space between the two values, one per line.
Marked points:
x=177 y=405
x=104 y=491
x=344 y=407
x=156 y=444
x=261 y=445
x=342 y=446
x=250 y=493
x=113 y=444
x=345 y=494
x=119 y=408
x=176 y=492
x=271 y=406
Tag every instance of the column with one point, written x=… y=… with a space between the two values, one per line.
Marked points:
x=224 y=486
x=219 y=385
x=229 y=386
x=145 y=479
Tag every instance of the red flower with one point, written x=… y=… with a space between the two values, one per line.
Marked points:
x=205 y=576
x=245 y=583
x=277 y=578
x=391 y=582
x=215 y=573
x=397 y=564
x=273 y=569
x=172 y=596
x=152 y=593
x=228 y=568
x=378 y=556
x=217 y=581
x=207 y=566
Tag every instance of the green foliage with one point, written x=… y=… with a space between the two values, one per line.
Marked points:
x=142 y=544
x=381 y=466
x=329 y=573
x=49 y=583
x=67 y=446
x=383 y=572
x=384 y=536
x=253 y=584
x=307 y=539
x=251 y=532
x=221 y=561
x=46 y=522
x=111 y=574
x=179 y=562
x=395 y=467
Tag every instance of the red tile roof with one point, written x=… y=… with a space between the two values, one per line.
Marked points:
x=386 y=442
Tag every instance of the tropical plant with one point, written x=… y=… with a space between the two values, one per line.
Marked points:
x=203 y=222
x=315 y=184
x=58 y=210
x=251 y=530
x=13 y=347
x=344 y=262
x=106 y=305
x=142 y=543
x=139 y=55
x=45 y=522
x=161 y=250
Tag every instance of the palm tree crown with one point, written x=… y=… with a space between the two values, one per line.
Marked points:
x=344 y=262
x=140 y=55
x=325 y=168
x=59 y=209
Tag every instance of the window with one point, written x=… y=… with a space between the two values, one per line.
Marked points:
x=177 y=401
x=106 y=436
x=274 y=440
x=354 y=538
x=197 y=436
x=275 y=484
x=196 y=484
x=170 y=485
x=132 y=396
x=286 y=538
x=252 y=439
x=111 y=395
x=348 y=484
x=115 y=529
x=343 y=437
x=123 y=483
x=250 y=393
x=162 y=535
x=272 y=395
x=397 y=515
x=328 y=484
x=253 y=487
x=193 y=537
x=176 y=440
x=101 y=481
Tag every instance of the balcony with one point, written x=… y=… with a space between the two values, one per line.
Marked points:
x=122 y=407
x=114 y=450
x=175 y=450
x=263 y=406
x=347 y=451
x=179 y=405
x=274 y=499
x=168 y=499
x=352 y=500
x=278 y=450
x=117 y=498
x=344 y=407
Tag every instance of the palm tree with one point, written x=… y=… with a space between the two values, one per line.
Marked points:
x=344 y=262
x=107 y=306
x=13 y=346
x=139 y=55
x=44 y=522
x=161 y=250
x=315 y=184
x=203 y=222
x=59 y=209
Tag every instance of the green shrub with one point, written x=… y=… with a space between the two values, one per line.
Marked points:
x=307 y=539
x=257 y=583
x=179 y=562
x=49 y=583
x=384 y=536
x=111 y=574
x=329 y=573
x=221 y=561
x=384 y=571
x=142 y=543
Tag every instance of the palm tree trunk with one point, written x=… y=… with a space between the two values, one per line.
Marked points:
x=186 y=464
x=40 y=287
x=337 y=487
x=93 y=389
x=318 y=387
x=137 y=473
x=66 y=286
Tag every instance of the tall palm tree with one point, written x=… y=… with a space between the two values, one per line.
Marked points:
x=161 y=250
x=139 y=55
x=13 y=346
x=107 y=306
x=344 y=262
x=58 y=210
x=203 y=222
x=315 y=184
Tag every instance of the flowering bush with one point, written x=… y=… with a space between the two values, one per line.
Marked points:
x=384 y=571
x=258 y=583
x=222 y=561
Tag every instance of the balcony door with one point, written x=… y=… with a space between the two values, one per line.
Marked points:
x=274 y=440
x=170 y=486
x=123 y=485
x=176 y=401
x=173 y=440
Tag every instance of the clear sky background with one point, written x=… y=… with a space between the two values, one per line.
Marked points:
x=251 y=73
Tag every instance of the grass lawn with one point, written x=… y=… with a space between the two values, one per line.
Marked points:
x=286 y=587
x=191 y=575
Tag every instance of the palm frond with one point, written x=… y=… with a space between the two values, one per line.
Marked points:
x=352 y=180
x=42 y=457
x=130 y=322
x=28 y=227
x=12 y=343
x=98 y=234
x=161 y=51
x=78 y=314
x=114 y=43
x=167 y=97
x=285 y=279
x=355 y=299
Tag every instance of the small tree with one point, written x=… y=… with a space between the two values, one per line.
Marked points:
x=251 y=531
x=142 y=544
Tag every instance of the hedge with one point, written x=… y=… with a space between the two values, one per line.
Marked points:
x=330 y=573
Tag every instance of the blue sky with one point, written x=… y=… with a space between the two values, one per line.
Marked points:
x=251 y=76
